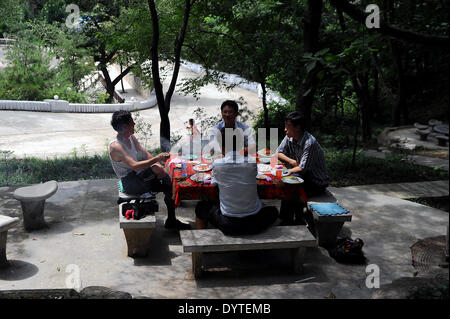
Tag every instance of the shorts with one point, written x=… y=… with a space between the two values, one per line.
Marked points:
x=253 y=224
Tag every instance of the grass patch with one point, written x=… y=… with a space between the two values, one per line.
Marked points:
x=15 y=171
x=367 y=170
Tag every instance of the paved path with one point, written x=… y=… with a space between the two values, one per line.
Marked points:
x=83 y=220
x=406 y=190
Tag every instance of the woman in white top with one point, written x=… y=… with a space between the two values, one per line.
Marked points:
x=140 y=176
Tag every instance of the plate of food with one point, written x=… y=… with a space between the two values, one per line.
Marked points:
x=264 y=168
x=201 y=177
x=202 y=168
x=292 y=179
x=265 y=152
x=261 y=176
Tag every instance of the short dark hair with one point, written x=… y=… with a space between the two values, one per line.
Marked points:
x=231 y=104
x=119 y=118
x=296 y=118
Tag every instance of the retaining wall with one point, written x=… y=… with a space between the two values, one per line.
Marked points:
x=66 y=107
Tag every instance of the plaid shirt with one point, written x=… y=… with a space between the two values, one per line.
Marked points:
x=309 y=155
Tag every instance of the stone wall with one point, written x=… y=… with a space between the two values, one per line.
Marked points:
x=66 y=107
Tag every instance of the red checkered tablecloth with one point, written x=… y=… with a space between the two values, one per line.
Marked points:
x=187 y=189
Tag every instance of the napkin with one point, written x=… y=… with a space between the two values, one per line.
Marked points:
x=329 y=209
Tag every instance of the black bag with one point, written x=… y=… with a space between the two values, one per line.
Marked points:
x=348 y=250
x=139 y=209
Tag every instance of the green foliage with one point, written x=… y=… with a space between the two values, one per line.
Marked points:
x=54 y=11
x=368 y=170
x=12 y=14
x=143 y=129
x=28 y=75
x=15 y=171
x=277 y=115
x=74 y=60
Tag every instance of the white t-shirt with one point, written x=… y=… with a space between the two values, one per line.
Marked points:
x=247 y=131
x=236 y=179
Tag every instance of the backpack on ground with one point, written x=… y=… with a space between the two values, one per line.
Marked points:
x=348 y=251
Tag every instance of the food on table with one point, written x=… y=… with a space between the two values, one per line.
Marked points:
x=202 y=167
x=291 y=179
x=200 y=177
x=264 y=168
x=265 y=152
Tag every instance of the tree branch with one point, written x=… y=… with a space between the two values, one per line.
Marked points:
x=386 y=29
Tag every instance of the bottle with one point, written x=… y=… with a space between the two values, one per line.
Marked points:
x=183 y=169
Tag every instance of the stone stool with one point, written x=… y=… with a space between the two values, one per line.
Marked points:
x=6 y=223
x=32 y=200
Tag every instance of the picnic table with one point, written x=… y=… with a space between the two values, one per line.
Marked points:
x=187 y=189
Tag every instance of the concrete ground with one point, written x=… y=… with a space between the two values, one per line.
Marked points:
x=83 y=230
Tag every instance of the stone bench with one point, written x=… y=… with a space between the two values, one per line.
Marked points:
x=293 y=238
x=442 y=140
x=137 y=232
x=423 y=134
x=326 y=227
x=6 y=223
x=32 y=199
x=420 y=126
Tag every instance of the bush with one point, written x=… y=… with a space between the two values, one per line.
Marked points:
x=277 y=114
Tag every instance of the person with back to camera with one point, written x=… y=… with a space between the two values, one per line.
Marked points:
x=140 y=176
x=240 y=211
x=301 y=151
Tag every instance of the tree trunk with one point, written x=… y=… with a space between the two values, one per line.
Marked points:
x=307 y=89
x=401 y=106
x=360 y=85
x=164 y=132
x=164 y=102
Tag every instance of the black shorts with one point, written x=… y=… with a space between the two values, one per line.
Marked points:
x=143 y=182
x=210 y=212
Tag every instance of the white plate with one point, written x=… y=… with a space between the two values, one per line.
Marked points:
x=285 y=173
x=292 y=180
x=199 y=169
x=200 y=177
x=262 y=153
x=264 y=168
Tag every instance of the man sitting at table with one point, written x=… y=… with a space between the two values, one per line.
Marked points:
x=301 y=151
x=240 y=211
x=140 y=176
x=229 y=110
